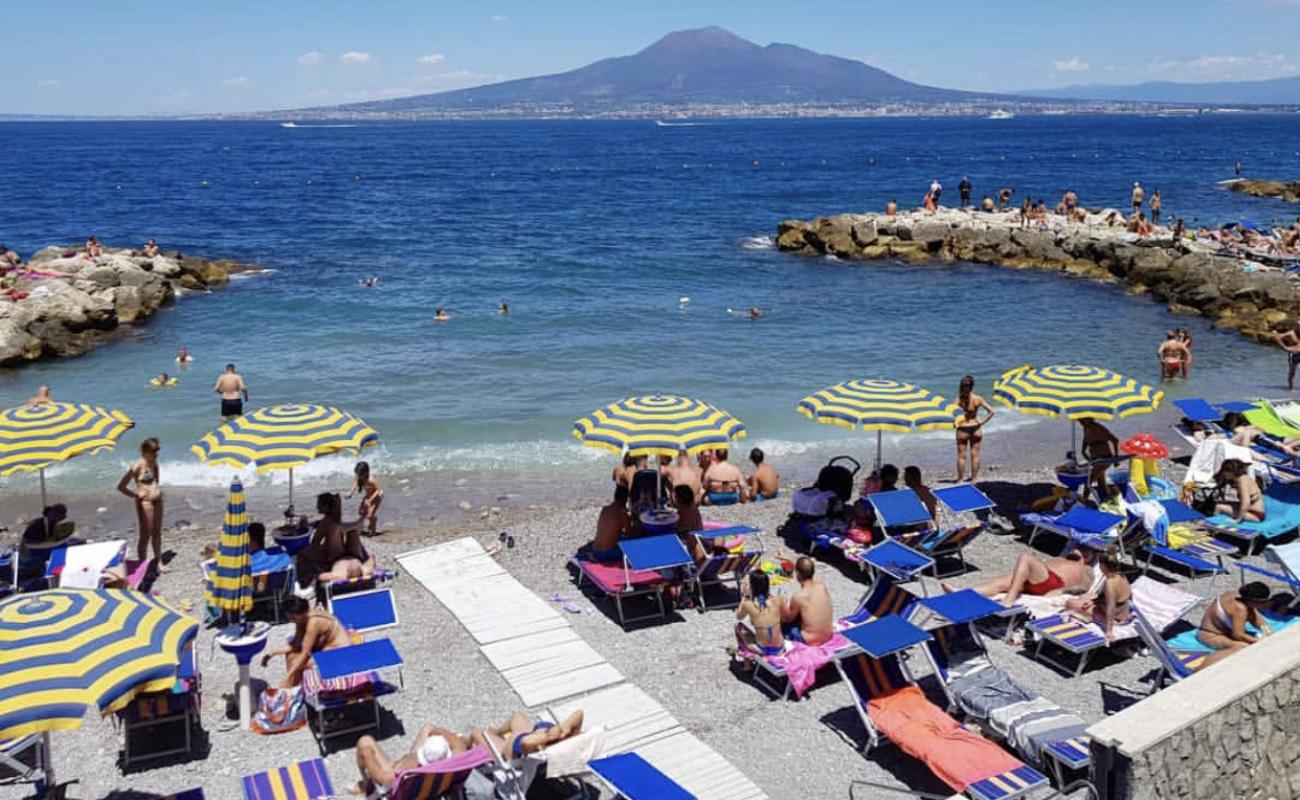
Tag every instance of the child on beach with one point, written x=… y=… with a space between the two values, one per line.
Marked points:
x=371 y=496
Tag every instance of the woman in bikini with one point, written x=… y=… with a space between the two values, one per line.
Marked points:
x=764 y=613
x=970 y=428
x=1113 y=606
x=347 y=557
x=1070 y=574
x=371 y=496
x=314 y=630
x=1249 y=505
x=148 y=497
x=1223 y=626
x=520 y=736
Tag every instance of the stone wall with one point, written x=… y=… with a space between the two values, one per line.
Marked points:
x=1229 y=731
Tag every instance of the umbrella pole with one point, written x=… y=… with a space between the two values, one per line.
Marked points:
x=291 y=488
x=878 y=438
x=46 y=759
x=44 y=503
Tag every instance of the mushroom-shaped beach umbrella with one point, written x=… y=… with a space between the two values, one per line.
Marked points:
x=660 y=424
x=284 y=437
x=1146 y=450
x=34 y=437
x=872 y=404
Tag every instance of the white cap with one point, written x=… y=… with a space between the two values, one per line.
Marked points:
x=1136 y=184
x=435 y=748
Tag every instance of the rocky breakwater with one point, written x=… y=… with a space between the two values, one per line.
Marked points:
x=1192 y=279
x=61 y=302
x=1282 y=190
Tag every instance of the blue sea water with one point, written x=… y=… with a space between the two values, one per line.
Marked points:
x=593 y=231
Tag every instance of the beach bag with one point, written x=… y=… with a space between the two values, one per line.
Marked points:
x=279 y=711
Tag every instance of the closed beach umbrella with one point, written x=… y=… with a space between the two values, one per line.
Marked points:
x=658 y=424
x=232 y=580
x=64 y=652
x=284 y=437
x=34 y=437
x=1075 y=391
x=873 y=404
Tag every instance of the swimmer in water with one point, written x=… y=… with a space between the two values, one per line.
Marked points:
x=183 y=356
x=163 y=379
x=42 y=397
x=755 y=312
x=441 y=315
x=504 y=308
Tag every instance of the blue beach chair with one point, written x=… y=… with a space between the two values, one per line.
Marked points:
x=901 y=513
x=306 y=780
x=1080 y=525
x=1200 y=558
x=365 y=612
x=883 y=598
x=1175 y=664
x=631 y=777
x=345 y=679
x=650 y=565
x=896 y=560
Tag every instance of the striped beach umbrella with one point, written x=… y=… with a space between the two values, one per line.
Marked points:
x=35 y=437
x=284 y=437
x=660 y=424
x=232 y=579
x=873 y=404
x=1075 y=391
x=66 y=651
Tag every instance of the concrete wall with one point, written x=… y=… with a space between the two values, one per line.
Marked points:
x=1229 y=731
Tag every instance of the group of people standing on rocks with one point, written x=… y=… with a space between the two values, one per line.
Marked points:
x=1035 y=211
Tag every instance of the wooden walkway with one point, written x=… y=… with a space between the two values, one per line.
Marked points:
x=548 y=664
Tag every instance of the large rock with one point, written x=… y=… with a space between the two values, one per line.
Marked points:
x=790 y=234
x=16 y=344
x=1282 y=190
x=864 y=232
x=930 y=234
x=833 y=236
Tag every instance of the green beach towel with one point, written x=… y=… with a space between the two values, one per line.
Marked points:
x=1266 y=418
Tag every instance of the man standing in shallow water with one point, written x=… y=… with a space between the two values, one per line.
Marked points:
x=230 y=385
x=1289 y=341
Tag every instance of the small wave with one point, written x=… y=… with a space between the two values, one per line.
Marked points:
x=758 y=243
x=251 y=273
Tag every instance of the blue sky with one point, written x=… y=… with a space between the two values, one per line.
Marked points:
x=156 y=57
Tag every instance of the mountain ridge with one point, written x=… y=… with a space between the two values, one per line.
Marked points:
x=1269 y=91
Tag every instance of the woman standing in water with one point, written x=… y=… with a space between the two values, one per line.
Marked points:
x=970 y=428
x=148 y=500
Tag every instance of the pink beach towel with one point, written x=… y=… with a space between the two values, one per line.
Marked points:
x=613 y=578
x=801 y=661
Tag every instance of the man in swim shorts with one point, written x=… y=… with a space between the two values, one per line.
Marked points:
x=765 y=482
x=1069 y=574
x=432 y=744
x=723 y=482
x=809 y=616
x=230 y=385
x=1289 y=340
x=612 y=523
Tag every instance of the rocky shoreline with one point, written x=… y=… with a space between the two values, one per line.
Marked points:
x=1192 y=278
x=1281 y=190
x=62 y=303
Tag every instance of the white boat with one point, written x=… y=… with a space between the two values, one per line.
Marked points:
x=1000 y=114
x=288 y=124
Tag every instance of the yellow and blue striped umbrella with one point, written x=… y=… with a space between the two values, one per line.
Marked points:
x=66 y=651
x=875 y=404
x=1075 y=391
x=34 y=437
x=232 y=580
x=660 y=424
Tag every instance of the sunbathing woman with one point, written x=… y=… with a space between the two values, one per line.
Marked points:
x=763 y=612
x=1068 y=574
x=970 y=428
x=1223 y=626
x=314 y=630
x=1112 y=607
x=518 y=736
x=1245 y=434
x=335 y=551
x=1249 y=504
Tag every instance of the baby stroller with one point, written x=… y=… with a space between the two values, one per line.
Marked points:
x=822 y=509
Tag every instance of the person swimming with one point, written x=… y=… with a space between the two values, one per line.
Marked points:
x=163 y=379
x=504 y=308
x=183 y=356
x=441 y=315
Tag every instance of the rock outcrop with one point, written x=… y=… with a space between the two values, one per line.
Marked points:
x=1282 y=190
x=1189 y=279
x=62 y=302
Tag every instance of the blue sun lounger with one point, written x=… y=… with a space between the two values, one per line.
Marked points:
x=306 y=780
x=349 y=677
x=1175 y=664
x=718 y=569
x=1080 y=525
x=631 y=777
x=1285 y=561
x=1198 y=558
x=369 y=611
x=1281 y=516
x=900 y=512
x=897 y=560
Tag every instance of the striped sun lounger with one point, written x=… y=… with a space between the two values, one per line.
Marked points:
x=306 y=780
x=1175 y=664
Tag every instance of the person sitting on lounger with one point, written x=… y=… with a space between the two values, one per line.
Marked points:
x=334 y=549
x=809 y=616
x=378 y=772
x=612 y=523
x=1112 y=605
x=912 y=480
x=1068 y=574
x=764 y=612
x=723 y=482
x=765 y=482
x=1249 y=504
x=1223 y=626
x=1098 y=444
x=315 y=630
x=40 y=537
x=518 y=736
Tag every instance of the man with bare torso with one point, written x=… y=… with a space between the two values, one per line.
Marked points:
x=1173 y=356
x=1069 y=574
x=685 y=473
x=809 y=615
x=765 y=482
x=724 y=484
x=612 y=523
x=233 y=392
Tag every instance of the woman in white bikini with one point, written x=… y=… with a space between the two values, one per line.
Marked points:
x=970 y=428
x=1223 y=626
x=148 y=499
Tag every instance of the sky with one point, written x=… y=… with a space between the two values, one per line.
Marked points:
x=167 y=57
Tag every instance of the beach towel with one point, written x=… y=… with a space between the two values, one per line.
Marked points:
x=1209 y=456
x=1033 y=724
x=1187 y=640
x=613 y=578
x=954 y=754
x=85 y=563
x=981 y=693
x=279 y=711
x=801 y=661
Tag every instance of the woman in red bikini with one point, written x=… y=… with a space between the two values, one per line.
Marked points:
x=1069 y=574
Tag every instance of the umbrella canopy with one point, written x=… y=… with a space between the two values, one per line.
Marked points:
x=284 y=437
x=65 y=651
x=658 y=425
x=34 y=437
x=1075 y=391
x=873 y=404
x=232 y=580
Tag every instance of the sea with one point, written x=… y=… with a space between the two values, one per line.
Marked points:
x=596 y=233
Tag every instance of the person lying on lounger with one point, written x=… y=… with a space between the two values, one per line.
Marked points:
x=1223 y=626
x=518 y=736
x=1245 y=434
x=809 y=616
x=1249 y=505
x=1068 y=574
x=764 y=612
x=315 y=630
x=1111 y=606
x=378 y=771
